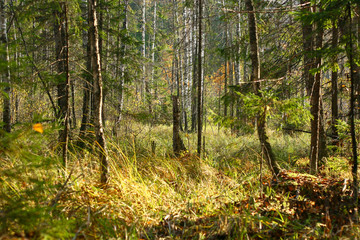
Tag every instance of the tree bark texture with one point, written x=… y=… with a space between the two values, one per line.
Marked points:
x=318 y=138
x=350 y=55
x=255 y=76
x=178 y=144
x=98 y=91
x=63 y=85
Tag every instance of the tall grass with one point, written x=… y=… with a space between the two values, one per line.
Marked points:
x=150 y=195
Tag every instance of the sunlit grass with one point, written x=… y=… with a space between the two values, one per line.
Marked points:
x=152 y=194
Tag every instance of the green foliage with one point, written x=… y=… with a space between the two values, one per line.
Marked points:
x=292 y=112
x=28 y=186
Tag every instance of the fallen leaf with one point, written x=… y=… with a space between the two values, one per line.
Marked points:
x=38 y=127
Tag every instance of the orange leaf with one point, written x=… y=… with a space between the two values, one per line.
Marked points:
x=38 y=127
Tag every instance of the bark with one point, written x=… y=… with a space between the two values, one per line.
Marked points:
x=62 y=58
x=334 y=89
x=255 y=76
x=85 y=121
x=226 y=64
x=318 y=144
x=146 y=84
x=153 y=53
x=199 y=83
x=357 y=66
x=193 y=53
x=350 y=55
x=178 y=144
x=5 y=74
x=98 y=91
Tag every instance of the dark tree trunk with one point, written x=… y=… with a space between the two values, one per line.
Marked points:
x=87 y=85
x=199 y=83
x=318 y=140
x=350 y=55
x=62 y=57
x=5 y=75
x=98 y=91
x=178 y=144
x=255 y=76
x=334 y=90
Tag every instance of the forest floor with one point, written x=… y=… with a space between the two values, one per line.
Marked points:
x=227 y=194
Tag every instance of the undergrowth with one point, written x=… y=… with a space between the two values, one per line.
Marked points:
x=153 y=195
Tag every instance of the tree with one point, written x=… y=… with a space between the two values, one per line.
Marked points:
x=199 y=83
x=63 y=77
x=255 y=77
x=98 y=90
x=5 y=71
x=334 y=87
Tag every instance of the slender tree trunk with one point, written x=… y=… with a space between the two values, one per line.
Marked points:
x=334 y=89
x=178 y=145
x=226 y=65
x=152 y=82
x=98 y=91
x=62 y=57
x=318 y=143
x=193 y=54
x=350 y=55
x=5 y=74
x=199 y=84
x=120 y=56
x=87 y=85
x=67 y=90
x=255 y=76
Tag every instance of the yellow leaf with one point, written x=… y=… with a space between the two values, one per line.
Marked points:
x=38 y=127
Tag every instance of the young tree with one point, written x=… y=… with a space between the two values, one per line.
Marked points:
x=255 y=77
x=199 y=83
x=98 y=90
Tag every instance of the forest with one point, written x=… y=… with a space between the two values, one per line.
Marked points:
x=179 y=119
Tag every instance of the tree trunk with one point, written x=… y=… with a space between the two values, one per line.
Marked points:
x=120 y=57
x=334 y=90
x=5 y=75
x=62 y=58
x=318 y=144
x=152 y=83
x=255 y=76
x=199 y=83
x=178 y=144
x=350 y=55
x=98 y=91
x=85 y=121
